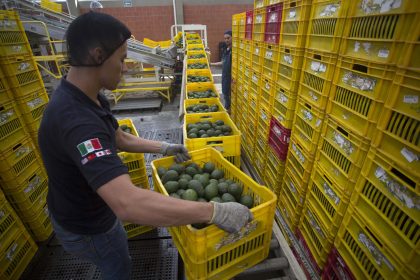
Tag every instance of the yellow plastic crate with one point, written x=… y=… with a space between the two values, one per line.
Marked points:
x=17 y=249
x=203 y=101
x=327 y=201
x=396 y=225
x=11 y=126
x=290 y=208
x=376 y=32
x=22 y=74
x=12 y=35
x=364 y=251
x=411 y=51
x=189 y=35
x=269 y=64
x=307 y=125
x=258 y=25
x=358 y=93
x=326 y=25
x=16 y=160
x=267 y=92
x=284 y=106
x=27 y=196
x=32 y=107
x=317 y=238
x=316 y=79
x=200 y=61
x=201 y=73
x=40 y=227
x=289 y=67
x=257 y=56
x=241 y=29
x=299 y=158
x=6 y=94
x=199 y=249
x=8 y=220
x=199 y=87
x=295 y=22
x=227 y=145
x=196 y=54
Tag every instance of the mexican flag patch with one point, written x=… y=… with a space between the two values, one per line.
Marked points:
x=89 y=146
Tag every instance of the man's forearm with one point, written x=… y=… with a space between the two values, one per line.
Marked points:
x=134 y=144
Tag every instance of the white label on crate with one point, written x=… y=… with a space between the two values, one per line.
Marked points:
x=258 y=19
x=235 y=237
x=292 y=187
x=5 y=116
x=375 y=252
x=307 y=115
x=313 y=96
x=23 y=150
x=282 y=98
x=254 y=78
x=280 y=118
x=411 y=99
x=269 y=54
x=318 y=122
x=379 y=6
x=318 y=67
x=359 y=82
x=366 y=47
x=409 y=155
x=288 y=59
x=383 y=53
x=263 y=116
x=329 y=10
x=267 y=86
x=406 y=196
x=298 y=153
x=329 y=192
x=2 y=214
x=314 y=224
x=17 y=48
x=35 y=102
x=356 y=46
x=35 y=182
x=344 y=144
x=277 y=131
x=292 y=14
x=257 y=50
x=273 y=18
x=345 y=116
x=249 y=20
x=11 y=252
x=23 y=66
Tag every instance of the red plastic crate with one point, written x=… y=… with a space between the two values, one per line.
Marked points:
x=336 y=268
x=273 y=23
x=280 y=133
x=279 y=148
x=248 y=24
x=304 y=246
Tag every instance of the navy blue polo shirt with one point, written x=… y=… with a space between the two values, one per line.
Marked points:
x=77 y=142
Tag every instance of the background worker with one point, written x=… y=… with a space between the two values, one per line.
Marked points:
x=89 y=190
x=226 y=64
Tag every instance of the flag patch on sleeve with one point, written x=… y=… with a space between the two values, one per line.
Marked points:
x=89 y=146
x=92 y=156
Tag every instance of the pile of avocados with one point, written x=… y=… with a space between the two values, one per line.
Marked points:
x=207 y=183
x=202 y=94
x=202 y=108
x=197 y=66
x=197 y=79
x=195 y=56
x=206 y=129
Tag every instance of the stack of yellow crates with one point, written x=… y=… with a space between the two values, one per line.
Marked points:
x=23 y=99
x=17 y=247
x=346 y=82
x=201 y=93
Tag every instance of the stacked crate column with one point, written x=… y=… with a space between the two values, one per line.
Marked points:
x=294 y=23
x=259 y=25
x=273 y=21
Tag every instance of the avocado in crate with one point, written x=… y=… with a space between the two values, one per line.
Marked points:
x=203 y=183
x=198 y=79
x=196 y=56
x=206 y=129
x=202 y=94
x=202 y=108
x=197 y=66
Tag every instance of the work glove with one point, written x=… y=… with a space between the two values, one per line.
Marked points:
x=230 y=216
x=177 y=150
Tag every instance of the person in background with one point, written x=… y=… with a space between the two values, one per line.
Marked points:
x=226 y=64
x=90 y=191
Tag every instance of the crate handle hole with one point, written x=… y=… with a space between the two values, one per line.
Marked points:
x=1 y=108
x=339 y=128
x=373 y=236
x=403 y=177
x=327 y=179
x=33 y=176
x=308 y=106
x=360 y=68
x=287 y=50
x=17 y=146
x=317 y=57
x=293 y=4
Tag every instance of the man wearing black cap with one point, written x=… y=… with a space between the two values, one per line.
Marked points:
x=226 y=69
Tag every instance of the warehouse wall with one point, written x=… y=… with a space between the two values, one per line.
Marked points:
x=153 y=19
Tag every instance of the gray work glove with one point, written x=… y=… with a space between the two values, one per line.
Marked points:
x=230 y=216
x=177 y=150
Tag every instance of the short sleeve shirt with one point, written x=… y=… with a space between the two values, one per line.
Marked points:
x=78 y=148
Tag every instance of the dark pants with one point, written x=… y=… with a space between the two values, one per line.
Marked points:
x=108 y=251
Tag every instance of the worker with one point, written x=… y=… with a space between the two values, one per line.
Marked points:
x=226 y=64
x=90 y=191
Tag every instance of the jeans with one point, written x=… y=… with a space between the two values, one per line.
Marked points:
x=108 y=251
